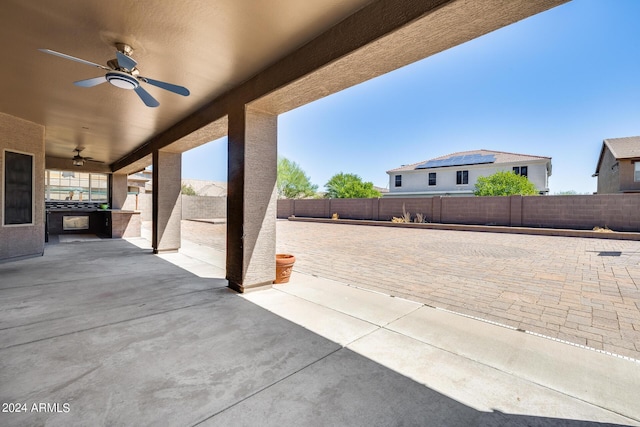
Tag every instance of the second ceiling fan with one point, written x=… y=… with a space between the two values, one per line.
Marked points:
x=122 y=73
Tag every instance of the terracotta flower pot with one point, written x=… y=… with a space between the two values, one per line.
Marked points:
x=284 y=265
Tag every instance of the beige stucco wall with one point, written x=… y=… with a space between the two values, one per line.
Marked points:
x=25 y=137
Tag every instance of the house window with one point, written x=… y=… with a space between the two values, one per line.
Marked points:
x=521 y=170
x=432 y=178
x=462 y=177
x=75 y=186
x=636 y=175
x=398 y=180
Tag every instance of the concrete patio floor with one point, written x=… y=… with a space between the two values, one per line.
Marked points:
x=582 y=290
x=128 y=338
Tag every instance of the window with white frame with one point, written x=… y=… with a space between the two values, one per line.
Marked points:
x=398 y=180
x=636 y=174
x=432 y=178
x=76 y=186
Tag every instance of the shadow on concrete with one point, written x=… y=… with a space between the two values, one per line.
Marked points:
x=123 y=337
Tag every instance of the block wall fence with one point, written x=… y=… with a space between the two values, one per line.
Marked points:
x=619 y=212
x=193 y=207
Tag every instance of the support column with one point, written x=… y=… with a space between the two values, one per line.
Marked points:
x=119 y=190
x=251 y=199
x=167 y=203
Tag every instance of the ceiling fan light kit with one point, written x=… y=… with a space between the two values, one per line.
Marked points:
x=79 y=160
x=122 y=73
x=122 y=80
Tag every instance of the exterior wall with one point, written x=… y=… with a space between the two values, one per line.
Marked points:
x=476 y=210
x=608 y=176
x=627 y=170
x=395 y=207
x=132 y=203
x=145 y=206
x=616 y=211
x=418 y=180
x=26 y=137
x=203 y=207
x=167 y=204
x=125 y=224
x=193 y=207
x=619 y=212
x=118 y=190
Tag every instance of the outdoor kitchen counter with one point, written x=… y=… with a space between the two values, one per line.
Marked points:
x=103 y=222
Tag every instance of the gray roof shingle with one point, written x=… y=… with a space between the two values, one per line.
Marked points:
x=624 y=148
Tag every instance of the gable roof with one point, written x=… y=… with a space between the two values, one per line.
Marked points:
x=500 y=157
x=621 y=148
x=624 y=148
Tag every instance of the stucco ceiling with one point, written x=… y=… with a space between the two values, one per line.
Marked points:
x=207 y=46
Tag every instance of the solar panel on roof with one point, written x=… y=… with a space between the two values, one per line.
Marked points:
x=464 y=160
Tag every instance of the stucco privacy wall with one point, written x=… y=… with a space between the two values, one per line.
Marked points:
x=203 y=207
x=25 y=137
x=616 y=211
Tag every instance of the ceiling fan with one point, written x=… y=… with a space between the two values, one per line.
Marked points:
x=122 y=73
x=78 y=160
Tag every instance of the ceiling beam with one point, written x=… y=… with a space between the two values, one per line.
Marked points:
x=381 y=37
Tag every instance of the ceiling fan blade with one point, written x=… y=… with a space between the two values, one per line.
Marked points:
x=180 y=90
x=146 y=97
x=91 y=82
x=125 y=61
x=73 y=58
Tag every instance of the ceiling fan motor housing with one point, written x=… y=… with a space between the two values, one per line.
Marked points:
x=122 y=80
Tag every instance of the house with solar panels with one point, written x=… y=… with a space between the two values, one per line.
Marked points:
x=456 y=174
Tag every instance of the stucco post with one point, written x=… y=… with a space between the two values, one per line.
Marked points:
x=119 y=190
x=167 y=204
x=251 y=200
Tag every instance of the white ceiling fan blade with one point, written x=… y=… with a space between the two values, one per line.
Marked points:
x=146 y=97
x=180 y=90
x=125 y=61
x=91 y=82
x=73 y=58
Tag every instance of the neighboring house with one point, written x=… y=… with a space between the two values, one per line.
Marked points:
x=456 y=174
x=140 y=182
x=618 y=168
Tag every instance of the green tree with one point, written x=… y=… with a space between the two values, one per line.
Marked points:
x=188 y=190
x=292 y=182
x=349 y=186
x=504 y=183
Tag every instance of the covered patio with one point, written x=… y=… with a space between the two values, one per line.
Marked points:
x=101 y=332
x=134 y=339
x=197 y=72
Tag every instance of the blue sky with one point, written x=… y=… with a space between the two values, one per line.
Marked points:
x=555 y=84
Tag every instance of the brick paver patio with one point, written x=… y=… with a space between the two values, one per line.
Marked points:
x=584 y=291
